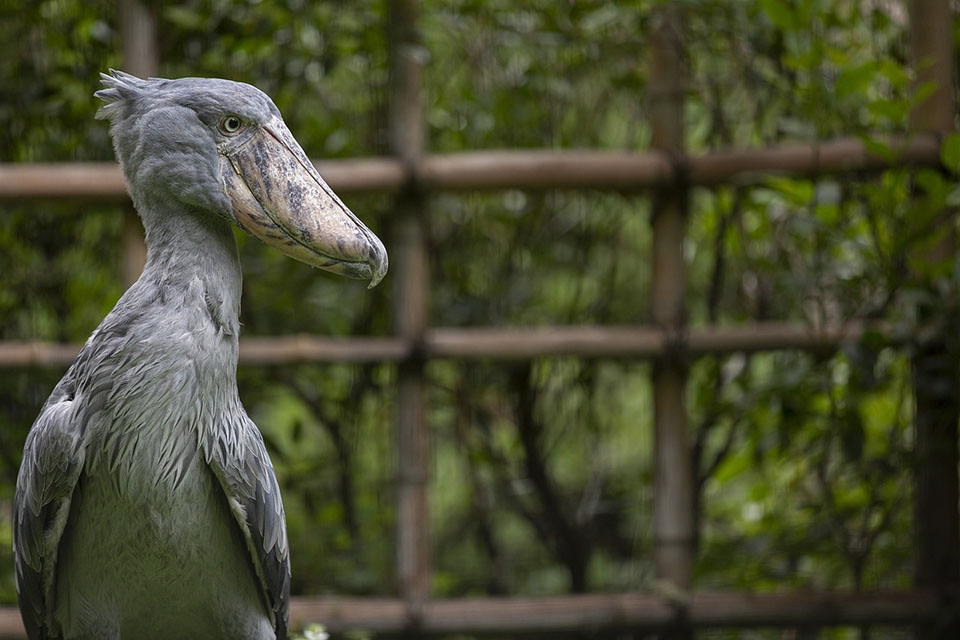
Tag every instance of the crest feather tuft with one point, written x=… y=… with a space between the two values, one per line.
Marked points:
x=119 y=88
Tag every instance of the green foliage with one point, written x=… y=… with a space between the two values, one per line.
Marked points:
x=542 y=473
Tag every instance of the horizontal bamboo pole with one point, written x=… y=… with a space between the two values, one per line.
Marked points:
x=594 y=613
x=526 y=343
x=836 y=156
x=772 y=336
x=610 y=612
x=305 y=348
x=494 y=344
x=102 y=181
x=11 y=626
x=535 y=169
x=253 y=351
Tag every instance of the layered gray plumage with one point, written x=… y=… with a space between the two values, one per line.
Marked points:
x=146 y=505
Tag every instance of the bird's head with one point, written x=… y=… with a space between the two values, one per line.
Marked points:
x=222 y=148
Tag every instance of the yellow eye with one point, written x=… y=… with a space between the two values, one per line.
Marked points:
x=230 y=124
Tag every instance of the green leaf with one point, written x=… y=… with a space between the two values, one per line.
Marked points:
x=853 y=81
x=950 y=152
x=878 y=148
x=932 y=182
x=779 y=13
x=184 y=18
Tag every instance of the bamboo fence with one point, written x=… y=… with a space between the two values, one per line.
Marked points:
x=410 y=174
x=616 y=171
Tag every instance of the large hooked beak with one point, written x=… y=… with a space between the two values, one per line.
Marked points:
x=278 y=196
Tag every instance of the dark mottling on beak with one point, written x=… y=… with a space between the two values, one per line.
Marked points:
x=279 y=196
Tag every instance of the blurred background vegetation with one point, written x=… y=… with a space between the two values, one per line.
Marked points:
x=541 y=477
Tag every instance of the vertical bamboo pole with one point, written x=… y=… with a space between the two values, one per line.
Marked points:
x=407 y=141
x=935 y=379
x=138 y=35
x=673 y=489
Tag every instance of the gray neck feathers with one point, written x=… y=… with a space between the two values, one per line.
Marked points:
x=193 y=255
x=167 y=353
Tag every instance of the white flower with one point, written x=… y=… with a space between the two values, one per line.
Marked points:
x=315 y=632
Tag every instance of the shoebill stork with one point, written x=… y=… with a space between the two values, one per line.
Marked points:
x=146 y=505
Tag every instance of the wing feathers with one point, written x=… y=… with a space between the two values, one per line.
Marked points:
x=240 y=462
x=52 y=461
